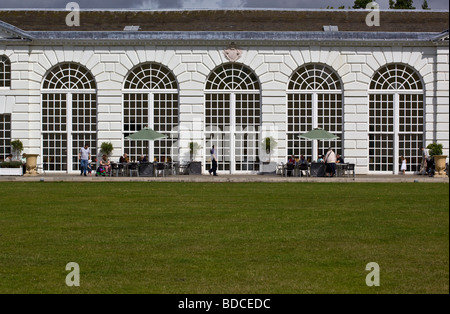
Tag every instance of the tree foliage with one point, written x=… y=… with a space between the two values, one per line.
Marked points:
x=401 y=4
x=361 y=4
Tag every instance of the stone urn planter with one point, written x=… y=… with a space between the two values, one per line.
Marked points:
x=439 y=165
x=31 y=164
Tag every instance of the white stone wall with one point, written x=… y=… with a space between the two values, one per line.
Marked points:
x=441 y=90
x=192 y=65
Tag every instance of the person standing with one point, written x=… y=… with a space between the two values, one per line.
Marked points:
x=403 y=169
x=330 y=161
x=213 y=169
x=84 y=156
x=423 y=165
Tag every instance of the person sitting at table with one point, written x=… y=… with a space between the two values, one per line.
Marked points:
x=320 y=158
x=9 y=158
x=291 y=160
x=290 y=166
x=124 y=159
x=302 y=160
x=105 y=163
x=143 y=159
x=339 y=159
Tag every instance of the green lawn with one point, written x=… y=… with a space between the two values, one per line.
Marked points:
x=291 y=238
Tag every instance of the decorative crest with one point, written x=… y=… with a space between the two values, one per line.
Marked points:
x=233 y=53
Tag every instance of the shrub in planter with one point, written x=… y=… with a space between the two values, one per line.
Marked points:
x=11 y=164
x=17 y=147
x=435 y=149
x=194 y=147
x=106 y=148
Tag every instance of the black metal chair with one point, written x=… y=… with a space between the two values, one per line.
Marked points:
x=351 y=168
x=303 y=168
x=290 y=168
x=115 y=169
x=133 y=168
x=160 y=169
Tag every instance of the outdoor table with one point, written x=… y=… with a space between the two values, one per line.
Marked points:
x=318 y=169
x=340 y=169
x=124 y=166
x=146 y=169
x=195 y=168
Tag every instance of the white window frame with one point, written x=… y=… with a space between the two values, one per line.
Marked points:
x=410 y=84
x=75 y=85
x=236 y=85
x=315 y=85
x=150 y=85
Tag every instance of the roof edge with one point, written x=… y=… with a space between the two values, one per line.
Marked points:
x=14 y=31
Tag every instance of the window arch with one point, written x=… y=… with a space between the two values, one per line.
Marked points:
x=233 y=117
x=396 y=118
x=314 y=100
x=69 y=115
x=69 y=76
x=314 y=77
x=232 y=76
x=151 y=99
x=5 y=72
x=151 y=76
x=396 y=77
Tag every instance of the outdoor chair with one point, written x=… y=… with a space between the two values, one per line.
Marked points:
x=133 y=168
x=341 y=169
x=41 y=167
x=280 y=169
x=160 y=169
x=183 y=168
x=303 y=168
x=350 y=169
x=115 y=169
x=289 y=169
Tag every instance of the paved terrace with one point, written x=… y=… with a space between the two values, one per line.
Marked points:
x=223 y=178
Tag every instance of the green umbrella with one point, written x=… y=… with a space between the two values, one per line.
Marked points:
x=146 y=134
x=319 y=134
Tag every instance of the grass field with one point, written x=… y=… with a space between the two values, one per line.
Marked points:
x=170 y=238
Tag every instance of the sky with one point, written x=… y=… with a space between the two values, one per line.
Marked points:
x=201 y=4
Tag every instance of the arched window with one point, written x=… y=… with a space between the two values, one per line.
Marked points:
x=5 y=72
x=151 y=100
x=314 y=101
x=69 y=116
x=233 y=117
x=396 y=118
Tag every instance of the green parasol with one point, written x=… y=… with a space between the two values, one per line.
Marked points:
x=146 y=134
x=319 y=134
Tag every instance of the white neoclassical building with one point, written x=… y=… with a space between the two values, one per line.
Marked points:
x=226 y=78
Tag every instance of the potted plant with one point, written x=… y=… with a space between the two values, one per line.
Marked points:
x=194 y=147
x=436 y=150
x=11 y=168
x=268 y=145
x=106 y=148
x=17 y=148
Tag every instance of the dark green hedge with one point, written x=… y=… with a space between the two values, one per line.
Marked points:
x=11 y=164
